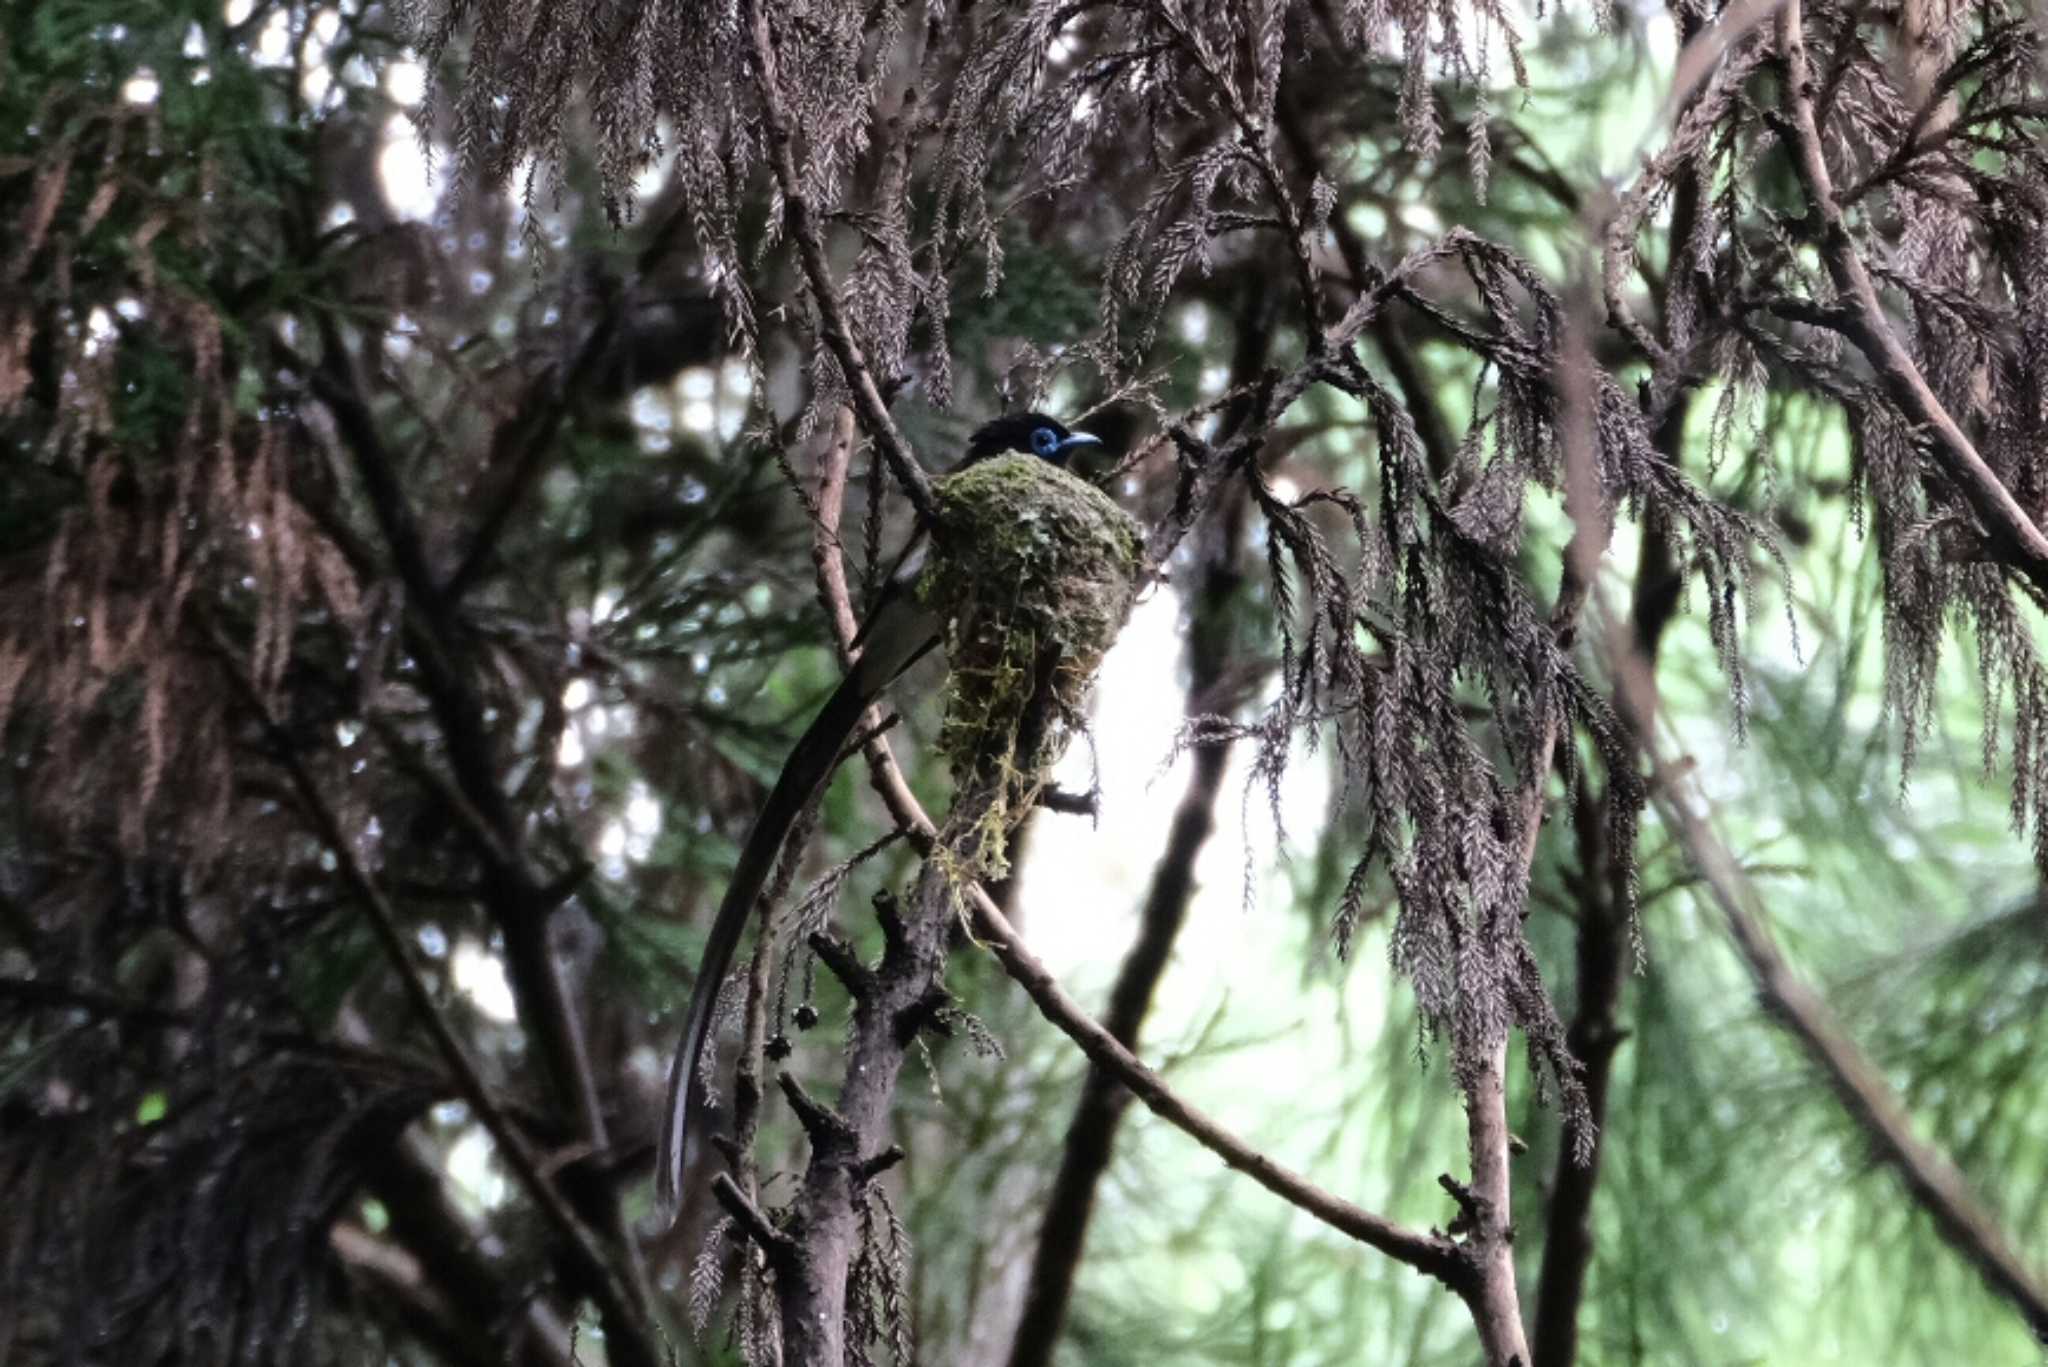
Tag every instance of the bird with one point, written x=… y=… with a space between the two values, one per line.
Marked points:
x=898 y=632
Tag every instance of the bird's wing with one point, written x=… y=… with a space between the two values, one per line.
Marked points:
x=896 y=635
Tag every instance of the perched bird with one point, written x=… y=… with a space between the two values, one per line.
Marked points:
x=898 y=632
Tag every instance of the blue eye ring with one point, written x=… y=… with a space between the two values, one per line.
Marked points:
x=1044 y=441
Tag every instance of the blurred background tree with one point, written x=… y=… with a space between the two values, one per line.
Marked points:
x=1592 y=462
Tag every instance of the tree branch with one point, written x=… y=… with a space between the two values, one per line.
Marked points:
x=1256 y=146
x=522 y=444
x=796 y=211
x=2011 y=530
x=51 y=995
x=519 y=901
x=1091 y=1135
x=1086 y=1152
x=617 y=1299
x=526 y=1329
x=1431 y=1254
x=1495 y=1300
x=1402 y=363
x=1934 y=1183
x=750 y=1218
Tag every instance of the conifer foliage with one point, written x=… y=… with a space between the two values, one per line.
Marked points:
x=298 y=555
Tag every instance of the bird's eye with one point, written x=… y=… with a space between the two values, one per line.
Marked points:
x=1044 y=440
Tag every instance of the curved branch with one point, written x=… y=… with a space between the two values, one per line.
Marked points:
x=1933 y=1181
x=1432 y=1254
x=2015 y=534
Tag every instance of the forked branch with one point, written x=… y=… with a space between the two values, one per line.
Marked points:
x=2015 y=535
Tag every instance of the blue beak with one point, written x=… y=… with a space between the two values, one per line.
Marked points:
x=1074 y=439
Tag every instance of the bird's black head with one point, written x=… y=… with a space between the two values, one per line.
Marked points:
x=1034 y=434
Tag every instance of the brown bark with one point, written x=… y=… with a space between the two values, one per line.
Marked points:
x=868 y=403
x=815 y=1244
x=1494 y=1299
x=1604 y=953
x=1492 y=1294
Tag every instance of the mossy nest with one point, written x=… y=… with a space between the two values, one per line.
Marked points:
x=1033 y=573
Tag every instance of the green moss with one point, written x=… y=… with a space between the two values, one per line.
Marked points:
x=1033 y=573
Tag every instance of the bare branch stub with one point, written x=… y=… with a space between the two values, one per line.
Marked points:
x=846 y=966
x=780 y=1250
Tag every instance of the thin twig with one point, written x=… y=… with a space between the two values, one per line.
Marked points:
x=1431 y=1254
x=796 y=211
x=1256 y=145
x=1605 y=938
x=1496 y=1301
x=435 y=640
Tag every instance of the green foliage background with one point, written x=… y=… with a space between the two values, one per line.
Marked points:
x=1739 y=1220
